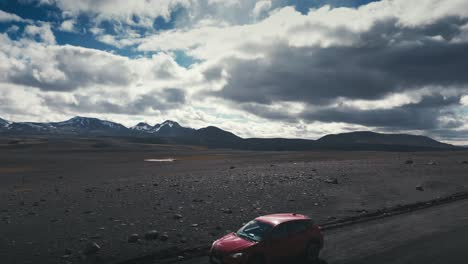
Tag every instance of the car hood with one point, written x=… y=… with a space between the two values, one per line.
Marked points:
x=231 y=243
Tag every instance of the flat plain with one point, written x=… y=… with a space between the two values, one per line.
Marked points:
x=58 y=195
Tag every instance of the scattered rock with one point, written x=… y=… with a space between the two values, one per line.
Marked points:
x=420 y=188
x=151 y=235
x=133 y=238
x=164 y=237
x=332 y=181
x=232 y=167
x=409 y=162
x=194 y=225
x=432 y=163
x=183 y=240
x=96 y=236
x=226 y=211
x=178 y=216
x=91 y=248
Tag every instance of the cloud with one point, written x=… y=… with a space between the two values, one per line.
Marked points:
x=259 y=68
x=321 y=27
x=68 y=26
x=261 y=7
x=8 y=17
x=67 y=68
x=320 y=75
x=432 y=112
x=156 y=101
x=346 y=72
x=120 y=10
x=42 y=32
x=464 y=100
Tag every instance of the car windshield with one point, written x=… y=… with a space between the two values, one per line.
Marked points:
x=254 y=230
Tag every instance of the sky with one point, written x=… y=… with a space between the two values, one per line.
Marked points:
x=270 y=68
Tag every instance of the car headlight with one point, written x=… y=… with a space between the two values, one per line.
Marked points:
x=237 y=255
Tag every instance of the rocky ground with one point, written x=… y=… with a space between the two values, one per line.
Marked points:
x=99 y=201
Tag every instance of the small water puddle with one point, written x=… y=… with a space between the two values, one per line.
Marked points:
x=160 y=160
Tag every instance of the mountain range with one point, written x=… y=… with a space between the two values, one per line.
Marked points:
x=171 y=132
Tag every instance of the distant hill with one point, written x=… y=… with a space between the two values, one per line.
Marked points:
x=367 y=138
x=4 y=123
x=171 y=132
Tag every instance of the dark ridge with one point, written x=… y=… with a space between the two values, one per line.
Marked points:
x=171 y=132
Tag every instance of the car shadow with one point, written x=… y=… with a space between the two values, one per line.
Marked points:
x=320 y=261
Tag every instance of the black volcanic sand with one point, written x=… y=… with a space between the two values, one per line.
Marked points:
x=56 y=195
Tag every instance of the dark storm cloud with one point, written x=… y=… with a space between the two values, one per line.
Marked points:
x=424 y=115
x=383 y=62
x=70 y=68
x=174 y=95
x=265 y=112
x=450 y=134
x=157 y=101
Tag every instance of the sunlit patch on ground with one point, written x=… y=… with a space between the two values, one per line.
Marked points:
x=194 y=157
x=160 y=160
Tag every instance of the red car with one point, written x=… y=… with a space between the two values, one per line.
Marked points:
x=276 y=238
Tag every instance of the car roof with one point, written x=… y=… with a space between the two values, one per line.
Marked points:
x=276 y=219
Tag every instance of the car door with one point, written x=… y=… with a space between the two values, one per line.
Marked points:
x=297 y=236
x=277 y=244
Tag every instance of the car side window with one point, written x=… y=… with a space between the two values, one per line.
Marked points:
x=279 y=231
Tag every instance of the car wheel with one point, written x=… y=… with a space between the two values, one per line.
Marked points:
x=312 y=253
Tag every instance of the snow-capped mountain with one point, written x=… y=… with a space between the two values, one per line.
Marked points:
x=167 y=123
x=75 y=126
x=4 y=123
x=30 y=128
x=87 y=123
x=170 y=132
x=167 y=128
x=172 y=129
x=142 y=127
